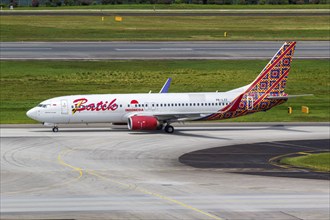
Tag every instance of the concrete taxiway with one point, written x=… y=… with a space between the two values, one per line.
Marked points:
x=157 y=50
x=112 y=173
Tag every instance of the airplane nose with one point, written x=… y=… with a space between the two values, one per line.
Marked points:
x=32 y=113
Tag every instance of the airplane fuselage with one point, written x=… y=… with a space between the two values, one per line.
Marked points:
x=117 y=108
x=152 y=111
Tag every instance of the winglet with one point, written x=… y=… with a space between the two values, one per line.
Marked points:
x=166 y=86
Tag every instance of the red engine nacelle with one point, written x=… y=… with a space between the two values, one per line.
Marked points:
x=142 y=123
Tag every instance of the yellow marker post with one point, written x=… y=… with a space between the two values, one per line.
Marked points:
x=305 y=109
x=289 y=110
x=225 y=34
x=118 y=18
x=102 y=18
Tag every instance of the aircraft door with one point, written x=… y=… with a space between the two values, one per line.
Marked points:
x=249 y=100
x=64 y=107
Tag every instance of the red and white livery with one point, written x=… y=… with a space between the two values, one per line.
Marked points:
x=153 y=111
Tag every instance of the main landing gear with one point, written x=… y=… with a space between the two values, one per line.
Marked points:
x=169 y=129
x=55 y=129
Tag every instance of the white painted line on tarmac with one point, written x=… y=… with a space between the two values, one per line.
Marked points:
x=153 y=49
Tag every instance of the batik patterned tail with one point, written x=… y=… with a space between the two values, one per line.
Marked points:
x=272 y=79
x=270 y=82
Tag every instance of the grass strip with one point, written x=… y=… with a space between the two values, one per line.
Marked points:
x=317 y=162
x=144 y=28
x=24 y=84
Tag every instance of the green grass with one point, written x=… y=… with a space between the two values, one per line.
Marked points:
x=142 y=28
x=318 y=162
x=24 y=84
x=181 y=6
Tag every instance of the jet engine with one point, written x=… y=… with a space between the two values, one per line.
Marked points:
x=143 y=123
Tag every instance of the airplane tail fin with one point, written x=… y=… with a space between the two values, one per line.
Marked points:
x=260 y=95
x=272 y=79
x=271 y=82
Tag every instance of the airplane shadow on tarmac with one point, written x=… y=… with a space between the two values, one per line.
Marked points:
x=180 y=131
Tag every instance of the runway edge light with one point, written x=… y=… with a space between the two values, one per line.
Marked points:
x=289 y=110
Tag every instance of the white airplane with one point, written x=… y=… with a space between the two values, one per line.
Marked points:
x=153 y=111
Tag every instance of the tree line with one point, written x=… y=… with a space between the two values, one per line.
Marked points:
x=57 y=3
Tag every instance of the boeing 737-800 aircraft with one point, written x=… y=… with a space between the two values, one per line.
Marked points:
x=153 y=111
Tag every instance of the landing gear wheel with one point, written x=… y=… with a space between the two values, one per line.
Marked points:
x=55 y=129
x=169 y=129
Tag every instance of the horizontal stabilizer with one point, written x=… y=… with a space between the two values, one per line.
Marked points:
x=288 y=96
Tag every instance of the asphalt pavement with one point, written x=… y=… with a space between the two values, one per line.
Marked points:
x=225 y=50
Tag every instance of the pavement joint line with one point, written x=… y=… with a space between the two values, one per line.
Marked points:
x=139 y=189
x=145 y=191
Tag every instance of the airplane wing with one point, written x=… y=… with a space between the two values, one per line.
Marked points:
x=176 y=116
x=189 y=116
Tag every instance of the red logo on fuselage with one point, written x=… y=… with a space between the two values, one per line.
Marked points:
x=134 y=102
x=82 y=105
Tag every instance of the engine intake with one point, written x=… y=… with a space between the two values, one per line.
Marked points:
x=142 y=123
